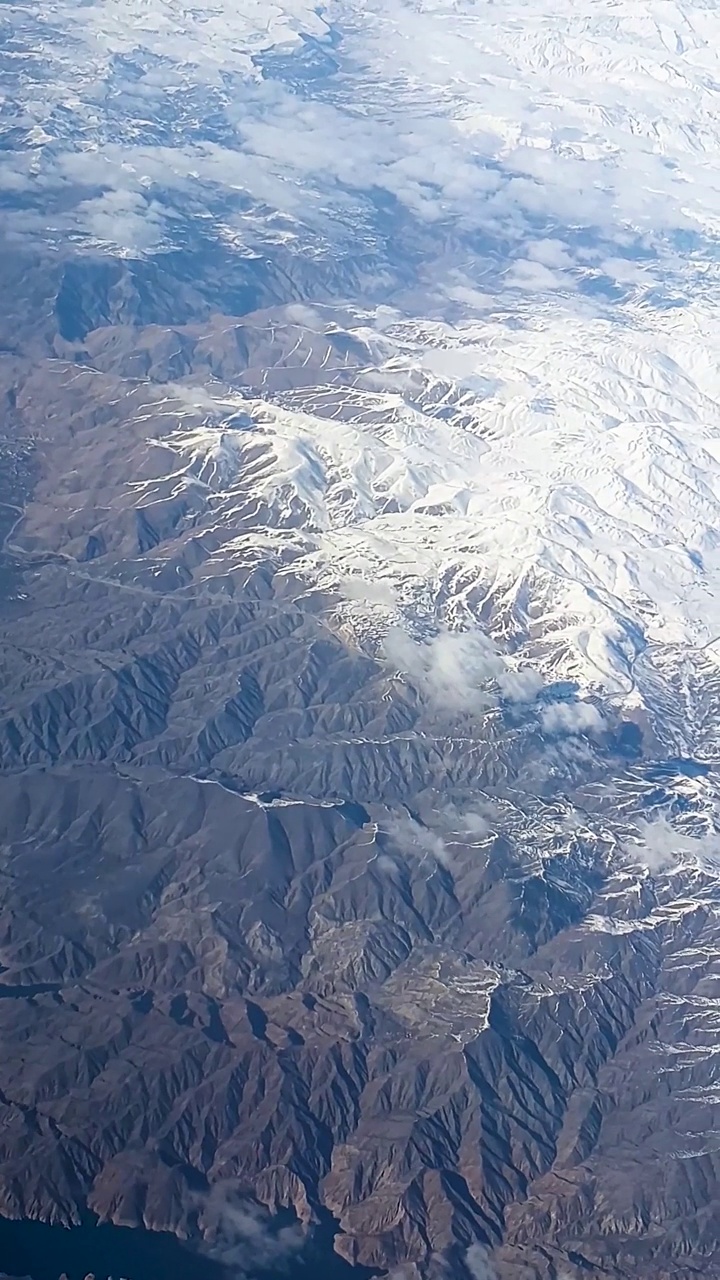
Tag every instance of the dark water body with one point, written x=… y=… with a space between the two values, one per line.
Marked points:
x=44 y=1252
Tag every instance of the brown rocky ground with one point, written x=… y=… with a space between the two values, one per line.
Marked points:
x=228 y=957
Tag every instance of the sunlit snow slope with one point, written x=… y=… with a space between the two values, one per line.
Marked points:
x=569 y=503
x=516 y=207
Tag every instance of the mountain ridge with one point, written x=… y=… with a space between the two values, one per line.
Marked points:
x=358 y=717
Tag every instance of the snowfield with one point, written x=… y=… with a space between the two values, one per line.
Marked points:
x=570 y=506
x=531 y=441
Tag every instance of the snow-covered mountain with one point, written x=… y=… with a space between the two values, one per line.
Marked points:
x=360 y=632
x=524 y=436
x=554 y=484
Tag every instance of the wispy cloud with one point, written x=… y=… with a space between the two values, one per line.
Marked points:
x=451 y=825
x=242 y=1236
x=414 y=840
x=659 y=845
x=477 y=1261
x=476 y=1264
x=459 y=671
x=475 y=823
x=451 y=670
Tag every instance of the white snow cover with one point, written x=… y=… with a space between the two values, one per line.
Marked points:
x=578 y=492
x=557 y=162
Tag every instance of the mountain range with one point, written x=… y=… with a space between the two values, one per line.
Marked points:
x=359 y=499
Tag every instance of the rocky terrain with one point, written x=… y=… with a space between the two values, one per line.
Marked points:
x=288 y=929
x=359 y=695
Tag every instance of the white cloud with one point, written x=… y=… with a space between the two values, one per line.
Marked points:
x=459 y=670
x=124 y=218
x=416 y=841
x=242 y=1235
x=551 y=253
x=359 y=588
x=659 y=846
x=305 y=317
x=526 y=274
x=571 y=717
x=477 y=1261
x=514 y=131
x=575 y=138
x=475 y=823
x=386 y=864
x=520 y=685
x=451 y=671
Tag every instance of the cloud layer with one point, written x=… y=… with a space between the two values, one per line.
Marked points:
x=565 y=151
